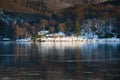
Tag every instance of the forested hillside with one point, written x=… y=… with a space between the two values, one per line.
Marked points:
x=24 y=19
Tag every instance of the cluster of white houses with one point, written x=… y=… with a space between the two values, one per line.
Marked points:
x=47 y=36
x=62 y=37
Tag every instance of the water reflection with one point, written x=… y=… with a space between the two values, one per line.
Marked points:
x=59 y=61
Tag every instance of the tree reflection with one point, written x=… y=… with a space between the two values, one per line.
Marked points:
x=61 y=60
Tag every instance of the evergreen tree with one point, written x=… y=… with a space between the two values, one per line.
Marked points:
x=77 y=28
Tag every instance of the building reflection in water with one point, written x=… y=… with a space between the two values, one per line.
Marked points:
x=61 y=60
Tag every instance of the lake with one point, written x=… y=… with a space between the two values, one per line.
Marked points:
x=59 y=61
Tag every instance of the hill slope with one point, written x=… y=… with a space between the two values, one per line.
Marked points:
x=41 y=6
x=24 y=6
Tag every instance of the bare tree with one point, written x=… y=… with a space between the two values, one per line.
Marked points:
x=62 y=27
x=52 y=29
x=43 y=24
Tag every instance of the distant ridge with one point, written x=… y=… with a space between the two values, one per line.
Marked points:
x=42 y=6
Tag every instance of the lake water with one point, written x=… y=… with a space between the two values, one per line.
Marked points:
x=59 y=61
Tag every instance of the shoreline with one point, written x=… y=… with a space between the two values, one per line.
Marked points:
x=77 y=40
x=68 y=40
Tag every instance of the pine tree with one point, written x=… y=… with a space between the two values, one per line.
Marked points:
x=77 y=28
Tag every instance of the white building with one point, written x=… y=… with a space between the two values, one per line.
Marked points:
x=43 y=32
x=59 y=34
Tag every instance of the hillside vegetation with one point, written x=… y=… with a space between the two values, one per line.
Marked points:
x=18 y=19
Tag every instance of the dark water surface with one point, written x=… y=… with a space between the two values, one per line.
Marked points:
x=59 y=61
